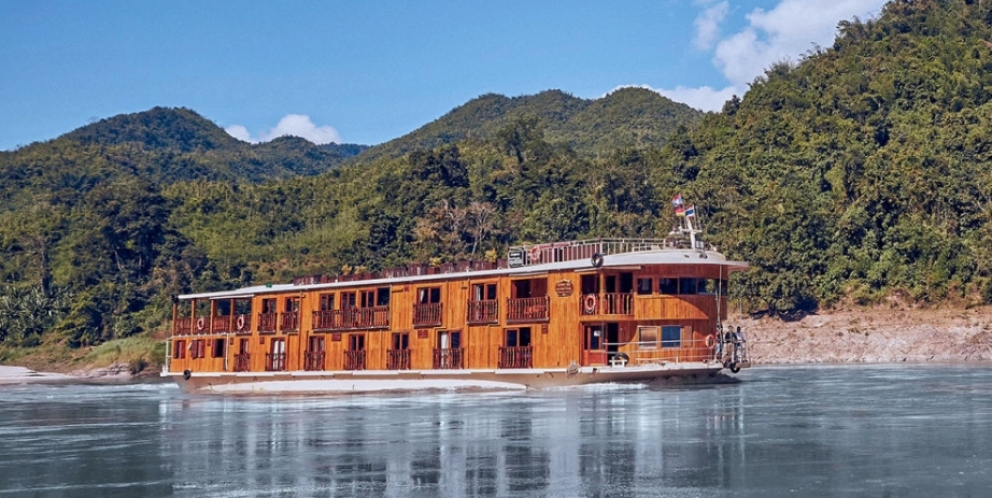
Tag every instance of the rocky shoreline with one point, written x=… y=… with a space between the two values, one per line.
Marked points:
x=871 y=336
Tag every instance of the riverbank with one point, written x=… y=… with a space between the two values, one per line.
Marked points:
x=871 y=336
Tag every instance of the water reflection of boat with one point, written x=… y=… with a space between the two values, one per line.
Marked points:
x=560 y=314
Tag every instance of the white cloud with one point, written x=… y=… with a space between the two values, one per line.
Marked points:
x=296 y=125
x=786 y=32
x=708 y=25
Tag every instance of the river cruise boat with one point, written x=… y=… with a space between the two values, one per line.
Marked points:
x=558 y=314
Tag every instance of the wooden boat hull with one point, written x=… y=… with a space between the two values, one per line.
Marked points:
x=344 y=382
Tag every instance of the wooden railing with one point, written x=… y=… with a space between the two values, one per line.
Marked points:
x=201 y=325
x=275 y=362
x=242 y=362
x=267 y=323
x=398 y=359
x=427 y=315
x=448 y=359
x=607 y=304
x=516 y=357
x=354 y=360
x=376 y=317
x=528 y=309
x=483 y=311
x=289 y=321
x=182 y=326
x=220 y=323
x=313 y=360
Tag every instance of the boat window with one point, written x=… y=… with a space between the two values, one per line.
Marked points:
x=644 y=286
x=518 y=337
x=429 y=295
x=401 y=341
x=222 y=308
x=648 y=337
x=671 y=336
x=382 y=296
x=292 y=304
x=368 y=298
x=242 y=307
x=326 y=302
x=687 y=286
x=356 y=342
x=218 y=349
x=483 y=292
x=197 y=349
x=668 y=286
x=268 y=306
x=179 y=352
x=705 y=286
x=590 y=284
x=348 y=300
x=449 y=340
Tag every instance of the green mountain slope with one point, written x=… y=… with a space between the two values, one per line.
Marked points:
x=629 y=117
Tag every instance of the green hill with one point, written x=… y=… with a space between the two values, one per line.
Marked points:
x=629 y=117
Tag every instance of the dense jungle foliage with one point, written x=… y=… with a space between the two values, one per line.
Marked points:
x=858 y=174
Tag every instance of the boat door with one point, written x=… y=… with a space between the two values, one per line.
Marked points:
x=612 y=339
x=594 y=345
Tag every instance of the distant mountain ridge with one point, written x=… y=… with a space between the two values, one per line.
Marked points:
x=627 y=117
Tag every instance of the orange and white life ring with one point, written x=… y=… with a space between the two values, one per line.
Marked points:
x=241 y=322
x=200 y=323
x=535 y=254
x=589 y=304
x=710 y=341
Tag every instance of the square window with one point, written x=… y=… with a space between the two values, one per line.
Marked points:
x=671 y=336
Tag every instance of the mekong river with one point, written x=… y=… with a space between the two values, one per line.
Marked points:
x=891 y=430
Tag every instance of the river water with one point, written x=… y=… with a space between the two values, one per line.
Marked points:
x=899 y=431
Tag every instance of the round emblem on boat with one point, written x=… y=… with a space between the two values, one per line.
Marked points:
x=597 y=260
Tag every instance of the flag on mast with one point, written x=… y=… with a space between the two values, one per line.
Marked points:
x=690 y=212
x=678 y=205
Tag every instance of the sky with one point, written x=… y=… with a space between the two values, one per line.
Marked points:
x=370 y=71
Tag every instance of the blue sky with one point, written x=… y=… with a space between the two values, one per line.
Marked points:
x=367 y=72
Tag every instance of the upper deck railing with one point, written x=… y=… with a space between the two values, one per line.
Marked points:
x=527 y=255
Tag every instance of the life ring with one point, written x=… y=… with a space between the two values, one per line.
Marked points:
x=597 y=260
x=589 y=304
x=535 y=254
x=710 y=341
x=241 y=322
x=735 y=367
x=187 y=374
x=200 y=323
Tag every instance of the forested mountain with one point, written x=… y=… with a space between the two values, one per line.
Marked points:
x=628 y=117
x=161 y=146
x=860 y=174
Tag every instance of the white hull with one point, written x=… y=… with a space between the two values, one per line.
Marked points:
x=343 y=382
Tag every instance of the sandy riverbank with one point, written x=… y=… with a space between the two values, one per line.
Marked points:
x=22 y=375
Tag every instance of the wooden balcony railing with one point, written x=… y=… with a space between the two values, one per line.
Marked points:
x=483 y=311
x=608 y=304
x=242 y=362
x=427 y=315
x=354 y=360
x=201 y=325
x=313 y=360
x=182 y=326
x=275 y=362
x=398 y=359
x=267 y=323
x=516 y=357
x=242 y=324
x=528 y=309
x=448 y=359
x=289 y=321
x=376 y=317
x=221 y=323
